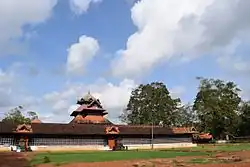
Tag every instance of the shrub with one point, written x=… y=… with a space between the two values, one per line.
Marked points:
x=46 y=159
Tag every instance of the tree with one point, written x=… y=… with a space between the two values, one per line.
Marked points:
x=32 y=115
x=186 y=116
x=216 y=104
x=151 y=103
x=15 y=116
x=244 y=126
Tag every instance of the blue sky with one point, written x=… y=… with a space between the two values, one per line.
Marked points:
x=55 y=51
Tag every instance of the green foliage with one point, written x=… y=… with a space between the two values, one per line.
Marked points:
x=244 y=126
x=46 y=159
x=151 y=103
x=217 y=103
x=15 y=116
x=186 y=116
x=33 y=115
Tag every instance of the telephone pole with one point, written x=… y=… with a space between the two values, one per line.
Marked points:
x=152 y=135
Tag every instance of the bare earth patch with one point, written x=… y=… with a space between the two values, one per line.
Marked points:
x=11 y=159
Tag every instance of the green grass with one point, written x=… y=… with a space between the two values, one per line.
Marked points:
x=211 y=161
x=62 y=158
x=80 y=156
x=200 y=161
x=216 y=148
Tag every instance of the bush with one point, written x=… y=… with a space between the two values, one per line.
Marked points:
x=46 y=159
x=119 y=147
x=213 y=141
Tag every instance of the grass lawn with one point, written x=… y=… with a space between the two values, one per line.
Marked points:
x=66 y=157
x=83 y=156
x=217 y=147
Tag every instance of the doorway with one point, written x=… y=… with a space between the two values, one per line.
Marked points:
x=111 y=142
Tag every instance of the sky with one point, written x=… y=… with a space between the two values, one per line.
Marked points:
x=53 y=52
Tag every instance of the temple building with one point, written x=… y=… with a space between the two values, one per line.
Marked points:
x=91 y=130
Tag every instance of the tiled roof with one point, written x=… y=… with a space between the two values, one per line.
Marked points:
x=92 y=129
x=36 y=121
x=184 y=130
x=89 y=119
x=86 y=107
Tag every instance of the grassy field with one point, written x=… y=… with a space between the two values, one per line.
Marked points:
x=61 y=158
x=217 y=148
x=69 y=157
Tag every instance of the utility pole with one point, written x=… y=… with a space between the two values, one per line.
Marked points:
x=152 y=134
x=152 y=129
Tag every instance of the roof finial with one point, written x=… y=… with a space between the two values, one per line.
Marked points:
x=89 y=92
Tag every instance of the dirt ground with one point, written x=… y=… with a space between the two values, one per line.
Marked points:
x=12 y=159
x=233 y=159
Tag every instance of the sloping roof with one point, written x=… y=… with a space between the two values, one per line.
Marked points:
x=97 y=119
x=90 y=129
x=7 y=127
x=180 y=130
x=70 y=129
x=85 y=107
x=36 y=121
x=89 y=100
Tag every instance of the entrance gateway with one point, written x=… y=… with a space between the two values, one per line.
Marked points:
x=112 y=133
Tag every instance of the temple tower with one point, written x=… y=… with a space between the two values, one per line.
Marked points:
x=90 y=111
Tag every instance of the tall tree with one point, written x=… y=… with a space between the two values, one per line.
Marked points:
x=32 y=115
x=15 y=116
x=186 y=116
x=151 y=103
x=216 y=105
x=244 y=126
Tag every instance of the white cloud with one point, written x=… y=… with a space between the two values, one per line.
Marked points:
x=177 y=91
x=11 y=95
x=114 y=97
x=81 y=6
x=5 y=88
x=17 y=14
x=131 y=2
x=80 y=54
x=180 y=29
x=235 y=64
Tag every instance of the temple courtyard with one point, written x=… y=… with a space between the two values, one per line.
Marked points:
x=227 y=155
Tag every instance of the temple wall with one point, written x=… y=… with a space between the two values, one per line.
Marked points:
x=160 y=146
x=2 y=148
x=101 y=148
x=79 y=143
x=63 y=148
x=69 y=148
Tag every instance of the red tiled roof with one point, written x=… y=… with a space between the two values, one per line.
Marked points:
x=36 y=121
x=93 y=129
x=184 y=130
x=89 y=119
x=86 y=107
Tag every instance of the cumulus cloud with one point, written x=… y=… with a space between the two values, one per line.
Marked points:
x=177 y=91
x=80 y=54
x=16 y=15
x=236 y=64
x=114 y=97
x=180 y=29
x=81 y=6
x=10 y=93
x=5 y=88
